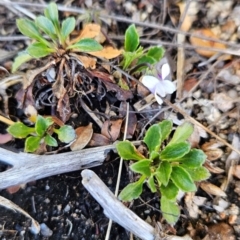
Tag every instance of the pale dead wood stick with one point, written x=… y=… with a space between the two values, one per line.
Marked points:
x=117 y=211
x=195 y=122
x=29 y=167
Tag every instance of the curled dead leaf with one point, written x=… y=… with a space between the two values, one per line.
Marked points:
x=84 y=135
x=212 y=144
x=212 y=189
x=212 y=168
x=198 y=42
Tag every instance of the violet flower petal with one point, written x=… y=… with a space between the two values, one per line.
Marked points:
x=165 y=70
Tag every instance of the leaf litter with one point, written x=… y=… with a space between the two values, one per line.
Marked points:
x=97 y=87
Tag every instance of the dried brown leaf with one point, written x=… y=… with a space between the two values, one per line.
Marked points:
x=90 y=30
x=214 y=154
x=98 y=140
x=13 y=189
x=88 y=62
x=212 y=189
x=84 y=135
x=212 y=168
x=107 y=52
x=198 y=42
x=111 y=129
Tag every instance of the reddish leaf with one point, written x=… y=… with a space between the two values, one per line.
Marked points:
x=98 y=140
x=4 y=138
x=111 y=129
x=122 y=95
x=132 y=120
x=63 y=108
x=13 y=189
x=84 y=135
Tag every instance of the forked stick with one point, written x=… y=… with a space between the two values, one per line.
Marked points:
x=29 y=167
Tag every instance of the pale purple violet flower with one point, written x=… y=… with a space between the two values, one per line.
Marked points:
x=158 y=84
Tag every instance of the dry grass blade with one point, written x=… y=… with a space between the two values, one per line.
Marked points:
x=35 y=228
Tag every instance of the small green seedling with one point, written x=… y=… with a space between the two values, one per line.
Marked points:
x=166 y=169
x=56 y=40
x=41 y=133
x=134 y=53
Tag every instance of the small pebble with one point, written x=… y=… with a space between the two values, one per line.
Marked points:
x=47 y=200
x=45 y=230
x=232 y=93
x=67 y=208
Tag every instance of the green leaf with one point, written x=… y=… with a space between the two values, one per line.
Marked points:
x=20 y=59
x=51 y=12
x=151 y=184
x=46 y=26
x=195 y=158
x=86 y=45
x=170 y=191
x=41 y=125
x=166 y=128
x=182 y=179
x=146 y=59
x=131 y=39
x=132 y=190
x=163 y=172
x=129 y=57
x=66 y=134
x=19 y=130
x=170 y=210
x=50 y=141
x=29 y=29
x=49 y=121
x=153 y=138
x=39 y=50
x=32 y=144
x=127 y=151
x=182 y=133
x=154 y=155
x=68 y=26
x=156 y=53
x=142 y=167
x=198 y=174
x=175 y=151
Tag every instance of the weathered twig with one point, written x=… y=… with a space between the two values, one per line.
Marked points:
x=28 y=167
x=119 y=213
